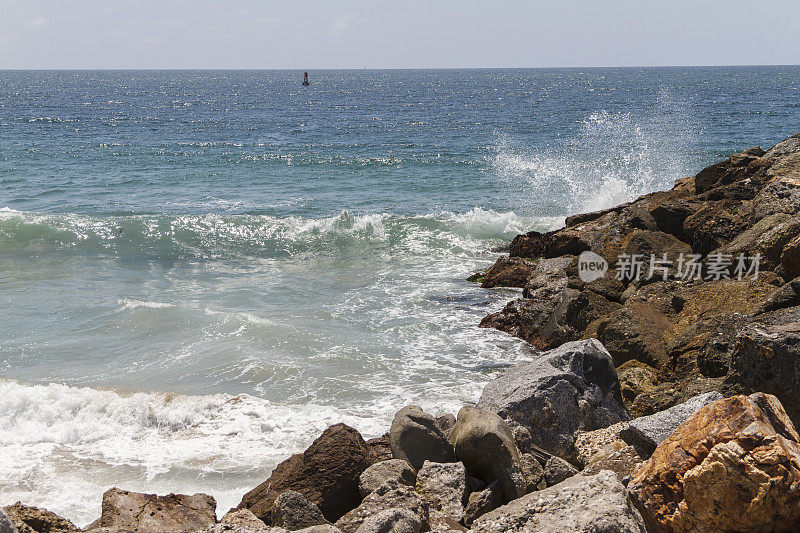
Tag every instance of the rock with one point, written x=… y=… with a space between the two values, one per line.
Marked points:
x=293 y=511
x=6 y=526
x=767 y=237
x=533 y=471
x=508 y=272
x=636 y=378
x=617 y=458
x=734 y=465
x=446 y=422
x=589 y=444
x=571 y=388
x=327 y=474
x=557 y=470
x=391 y=521
x=389 y=496
x=392 y=470
x=636 y=332
x=415 y=437
x=485 y=444
x=596 y=504
x=647 y=432
x=790 y=258
x=379 y=449
x=530 y=245
x=28 y=519
x=788 y=295
x=242 y=521
x=481 y=502
x=444 y=487
x=123 y=510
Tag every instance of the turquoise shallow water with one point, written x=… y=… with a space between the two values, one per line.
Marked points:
x=199 y=271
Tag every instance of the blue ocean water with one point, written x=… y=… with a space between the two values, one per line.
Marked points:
x=201 y=270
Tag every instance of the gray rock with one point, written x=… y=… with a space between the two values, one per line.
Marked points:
x=392 y=470
x=415 y=437
x=132 y=511
x=571 y=388
x=5 y=524
x=647 y=432
x=446 y=422
x=482 y=502
x=444 y=486
x=391 y=521
x=534 y=472
x=242 y=521
x=293 y=511
x=557 y=470
x=581 y=504
x=391 y=495
x=327 y=528
x=485 y=444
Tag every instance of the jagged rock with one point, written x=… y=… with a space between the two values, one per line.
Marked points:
x=647 y=432
x=734 y=465
x=444 y=487
x=788 y=295
x=481 y=502
x=508 y=272
x=293 y=511
x=550 y=275
x=128 y=511
x=389 y=496
x=391 y=521
x=581 y=504
x=6 y=526
x=446 y=422
x=28 y=519
x=379 y=449
x=790 y=258
x=534 y=472
x=636 y=378
x=485 y=444
x=327 y=474
x=242 y=521
x=557 y=470
x=392 y=470
x=616 y=457
x=415 y=437
x=589 y=444
x=444 y=523
x=767 y=237
x=636 y=332
x=569 y=389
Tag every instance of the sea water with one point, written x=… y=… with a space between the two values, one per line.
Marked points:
x=201 y=270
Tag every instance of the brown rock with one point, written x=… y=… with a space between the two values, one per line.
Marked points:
x=732 y=466
x=326 y=474
x=389 y=496
x=508 y=272
x=123 y=510
x=790 y=258
x=379 y=449
x=28 y=519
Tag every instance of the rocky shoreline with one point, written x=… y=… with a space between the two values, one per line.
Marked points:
x=664 y=397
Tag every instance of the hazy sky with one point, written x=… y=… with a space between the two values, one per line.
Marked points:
x=401 y=33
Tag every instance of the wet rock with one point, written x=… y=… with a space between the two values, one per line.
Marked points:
x=327 y=474
x=389 y=496
x=557 y=470
x=481 y=502
x=123 y=510
x=647 y=432
x=444 y=487
x=734 y=465
x=485 y=444
x=6 y=526
x=416 y=438
x=596 y=504
x=569 y=389
x=397 y=470
x=293 y=511
x=508 y=272
x=530 y=245
x=391 y=521
x=29 y=519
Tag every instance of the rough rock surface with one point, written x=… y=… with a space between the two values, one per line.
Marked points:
x=569 y=389
x=391 y=521
x=327 y=474
x=509 y=272
x=481 y=502
x=557 y=470
x=647 y=432
x=485 y=444
x=293 y=511
x=444 y=487
x=6 y=526
x=28 y=519
x=734 y=465
x=392 y=470
x=242 y=521
x=389 y=496
x=596 y=504
x=416 y=437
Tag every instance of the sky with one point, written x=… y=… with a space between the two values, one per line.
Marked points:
x=316 y=34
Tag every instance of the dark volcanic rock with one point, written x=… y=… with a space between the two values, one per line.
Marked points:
x=327 y=474
x=416 y=437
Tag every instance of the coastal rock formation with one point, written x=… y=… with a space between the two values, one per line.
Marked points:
x=444 y=487
x=393 y=520
x=508 y=272
x=569 y=389
x=481 y=502
x=389 y=496
x=28 y=519
x=416 y=437
x=327 y=474
x=242 y=521
x=6 y=526
x=557 y=470
x=392 y=470
x=732 y=466
x=292 y=511
x=596 y=504
x=485 y=444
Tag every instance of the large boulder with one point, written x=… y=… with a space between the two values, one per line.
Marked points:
x=734 y=465
x=391 y=495
x=508 y=272
x=483 y=501
x=293 y=511
x=416 y=437
x=444 y=487
x=581 y=504
x=6 y=526
x=392 y=470
x=569 y=389
x=485 y=444
x=133 y=512
x=327 y=474
x=28 y=519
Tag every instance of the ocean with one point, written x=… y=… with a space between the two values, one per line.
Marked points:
x=201 y=270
